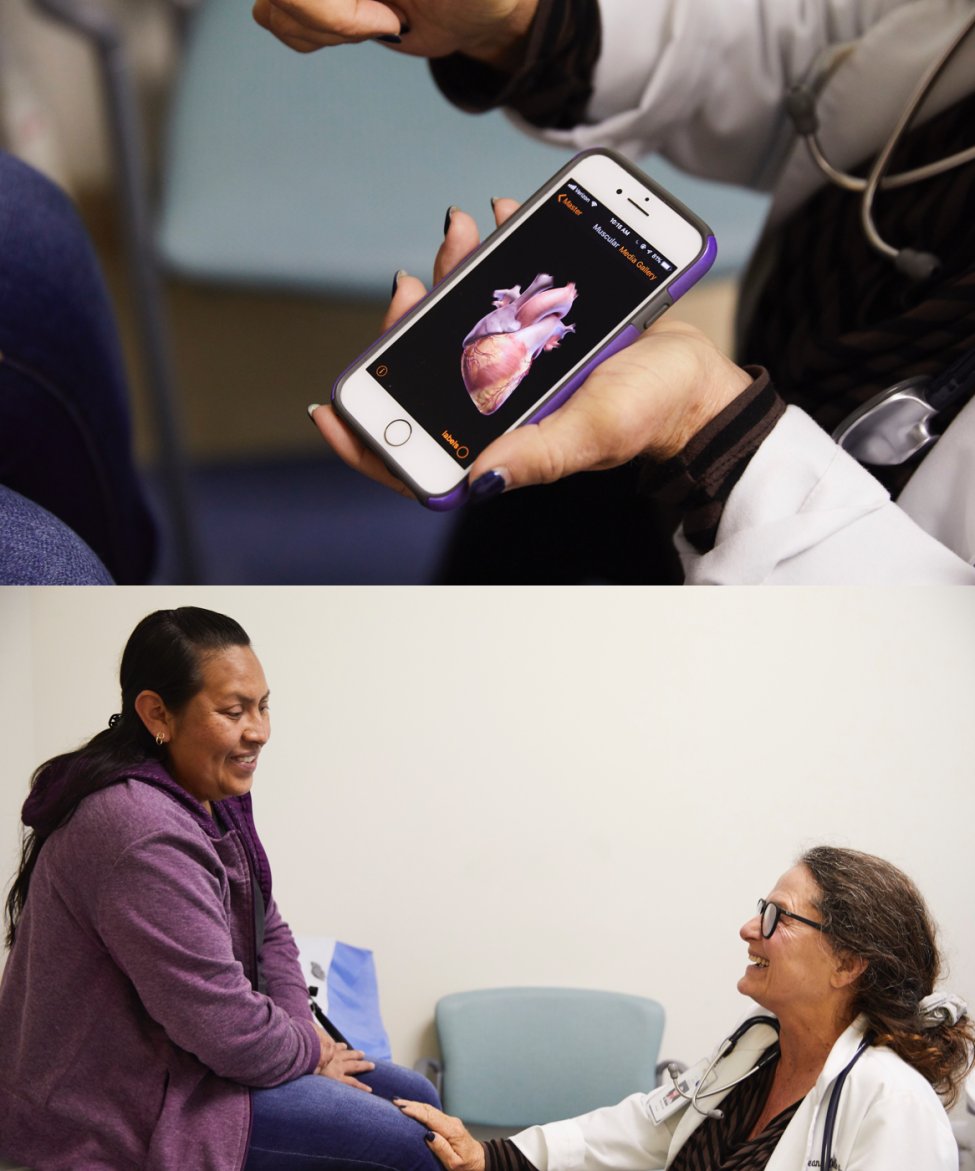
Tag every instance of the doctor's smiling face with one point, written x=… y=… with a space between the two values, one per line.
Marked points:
x=797 y=973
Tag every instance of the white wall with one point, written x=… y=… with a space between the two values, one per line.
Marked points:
x=577 y=787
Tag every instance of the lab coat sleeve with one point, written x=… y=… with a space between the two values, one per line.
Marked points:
x=806 y=513
x=899 y=1133
x=615 y=1138
x=702 y=81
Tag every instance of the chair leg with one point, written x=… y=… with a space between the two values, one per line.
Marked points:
x=127 y=145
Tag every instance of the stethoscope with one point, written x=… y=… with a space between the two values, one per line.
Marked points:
x=899 y=422
x=727 y=1046
x=801 y=107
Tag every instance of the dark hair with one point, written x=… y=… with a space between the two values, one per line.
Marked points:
x=165 y=653
x=874 y=911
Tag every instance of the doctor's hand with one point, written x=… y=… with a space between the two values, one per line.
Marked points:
x=649 y=399
x=489 y=30
x=452 y=1143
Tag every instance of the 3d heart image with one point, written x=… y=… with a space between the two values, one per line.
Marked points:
x=499 y=351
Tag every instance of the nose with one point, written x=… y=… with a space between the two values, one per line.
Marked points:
x=258 y=730
x=751 y=928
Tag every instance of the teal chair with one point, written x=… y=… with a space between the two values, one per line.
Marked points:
x=512 y=1057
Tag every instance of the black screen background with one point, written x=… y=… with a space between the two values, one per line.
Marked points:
x=424 y=365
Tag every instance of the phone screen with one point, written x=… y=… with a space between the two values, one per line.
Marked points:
x=520 y=320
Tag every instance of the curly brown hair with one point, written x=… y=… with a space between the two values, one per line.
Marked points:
x=874 y=911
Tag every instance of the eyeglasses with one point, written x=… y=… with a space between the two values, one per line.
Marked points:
x=772 y=912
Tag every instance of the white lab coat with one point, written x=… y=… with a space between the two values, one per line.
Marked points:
x=703 y=82
x=889 y=1119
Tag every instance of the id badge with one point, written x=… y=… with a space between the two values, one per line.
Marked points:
x=668 y=1099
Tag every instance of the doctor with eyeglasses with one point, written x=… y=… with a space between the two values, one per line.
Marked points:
x=848 y=1062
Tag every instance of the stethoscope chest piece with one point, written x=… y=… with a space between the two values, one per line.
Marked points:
x=892 y=426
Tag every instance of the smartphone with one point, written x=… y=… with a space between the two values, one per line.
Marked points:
x=576 y=274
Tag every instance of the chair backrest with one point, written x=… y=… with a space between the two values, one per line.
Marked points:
x=517 y=1056
x=326 y=173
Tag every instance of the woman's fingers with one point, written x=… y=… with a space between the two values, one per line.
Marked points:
x=452 y=1143
x=503 y=209
x=306 y=25
x=461 y=237
x=407 y=290
x=348 y=1062
x=421 y=1111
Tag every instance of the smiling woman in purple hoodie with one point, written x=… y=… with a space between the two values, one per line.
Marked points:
x=188 y=1041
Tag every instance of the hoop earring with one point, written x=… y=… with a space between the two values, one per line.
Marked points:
x=160 y=739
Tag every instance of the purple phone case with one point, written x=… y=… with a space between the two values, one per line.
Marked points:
x=628 y=334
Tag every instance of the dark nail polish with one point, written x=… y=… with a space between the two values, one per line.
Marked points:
x=429 y=1136
x=396 y=276
x=390 y=39
x=447 y=217
x=486 y=486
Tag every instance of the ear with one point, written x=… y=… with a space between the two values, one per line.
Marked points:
x=151 y=710
x=849 y=968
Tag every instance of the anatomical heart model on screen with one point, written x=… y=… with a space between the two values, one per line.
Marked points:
x=500 y=349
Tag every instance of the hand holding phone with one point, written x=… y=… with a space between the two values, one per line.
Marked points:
x=650 y=399
x=547 y=307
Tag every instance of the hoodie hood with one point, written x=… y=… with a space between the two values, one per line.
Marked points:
x=43 y=810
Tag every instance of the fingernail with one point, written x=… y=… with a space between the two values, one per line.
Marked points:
x=400 y=272
x=429 y=1136
x=446 y=222
x=312 y=408
x=494 y=200
x=484 y=487
x=390 y=39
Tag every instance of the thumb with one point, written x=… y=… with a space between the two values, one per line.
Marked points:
x=574 y=438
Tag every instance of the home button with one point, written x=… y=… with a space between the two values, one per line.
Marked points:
x=397 y=432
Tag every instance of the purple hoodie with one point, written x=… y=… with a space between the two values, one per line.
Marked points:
x=130 y=1029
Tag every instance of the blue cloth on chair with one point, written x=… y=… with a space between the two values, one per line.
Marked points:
x=347 y=991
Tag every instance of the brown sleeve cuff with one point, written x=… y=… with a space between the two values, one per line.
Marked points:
x=553 y=84
x=502 y=1155
x=698 y=480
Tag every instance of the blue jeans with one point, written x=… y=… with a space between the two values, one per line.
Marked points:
x=64 y=411
x=317 y=1122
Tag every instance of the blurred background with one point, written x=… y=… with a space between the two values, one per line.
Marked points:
x=249 y=207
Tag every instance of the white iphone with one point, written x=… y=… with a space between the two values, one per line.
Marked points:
x=578 y=272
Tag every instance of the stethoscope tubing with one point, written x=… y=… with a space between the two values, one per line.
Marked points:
x=727 y=1046
x=801 y=107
